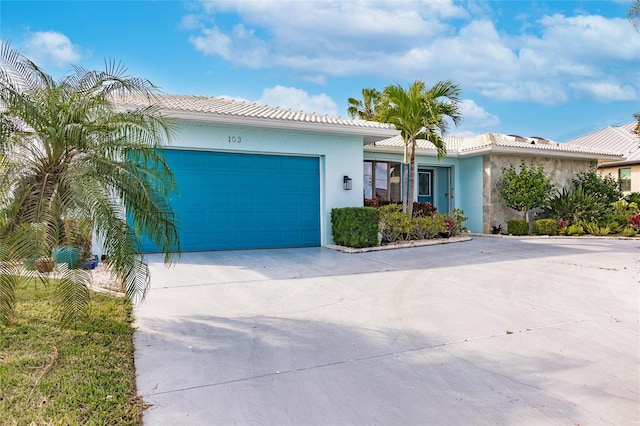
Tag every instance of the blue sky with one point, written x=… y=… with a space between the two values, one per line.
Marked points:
x=556 y=69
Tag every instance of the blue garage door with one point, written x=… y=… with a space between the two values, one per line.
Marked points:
x=241 y=201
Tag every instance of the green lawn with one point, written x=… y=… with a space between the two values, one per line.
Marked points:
x=68 y=376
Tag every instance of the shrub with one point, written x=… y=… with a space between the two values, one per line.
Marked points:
x=423 y=209
x=593 y=229
x=620 y=207
x=621 y=220
x=575 y=206
x=458 y=221
x=604 y=189
x=423 y=228
x=545 y=227
x=614 y=227
x=355 y=226
x=634 y=197
x=629 y=232
x=395 y=225
x=634 y=221
x=573 y=230
x=517 y=227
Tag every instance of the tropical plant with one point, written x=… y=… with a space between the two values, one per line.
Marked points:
x=629 y=232
x=420 y=113
x=575 y=206
x=525 y=189
x=572 y=230
x=68 y=154
x=593 y=228
x=604 y=189
x=634 y=14
x=367 y=108
x=395 y=225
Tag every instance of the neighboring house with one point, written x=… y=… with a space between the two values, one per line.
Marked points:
x=467 y=177
x=622 y=139
x=254 y=176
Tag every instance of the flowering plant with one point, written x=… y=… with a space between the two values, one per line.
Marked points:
x=449 y=224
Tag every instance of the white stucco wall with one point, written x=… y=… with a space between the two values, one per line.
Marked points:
x=339 y=155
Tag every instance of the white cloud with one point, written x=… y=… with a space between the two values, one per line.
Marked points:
x=51 y=48
x=474 y=116
x=604 y=92
x=299 y=100
x=549 y=60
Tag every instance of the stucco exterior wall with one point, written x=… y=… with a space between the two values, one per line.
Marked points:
x=495 y=211
x=614 y=171
x=340 y=155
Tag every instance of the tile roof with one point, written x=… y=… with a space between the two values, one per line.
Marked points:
x=230 y=108
x=461 y=146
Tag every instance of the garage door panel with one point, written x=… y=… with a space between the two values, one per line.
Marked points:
x=236 y=201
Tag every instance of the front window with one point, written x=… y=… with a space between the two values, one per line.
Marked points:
x=624 y=175
x=382 y=180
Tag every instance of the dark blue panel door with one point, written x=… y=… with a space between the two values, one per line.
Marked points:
x=240 y=201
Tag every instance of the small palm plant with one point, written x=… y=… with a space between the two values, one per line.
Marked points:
x=68 y=154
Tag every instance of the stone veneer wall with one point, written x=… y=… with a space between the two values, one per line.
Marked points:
x=494 y=210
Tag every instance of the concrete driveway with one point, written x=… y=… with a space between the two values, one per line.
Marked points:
x=490 y=331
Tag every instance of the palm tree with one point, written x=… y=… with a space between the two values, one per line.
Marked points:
x=634 y=14
x=421 y=114
x=367 y=108
x=68 y=155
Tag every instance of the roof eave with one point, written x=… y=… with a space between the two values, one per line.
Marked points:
x=618 y=164
x=369 y=134
x=543 y=153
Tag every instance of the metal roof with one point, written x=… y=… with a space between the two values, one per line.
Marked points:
x=616 y=138
x=462 y=146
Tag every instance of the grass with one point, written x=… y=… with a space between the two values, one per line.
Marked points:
x=68 y=376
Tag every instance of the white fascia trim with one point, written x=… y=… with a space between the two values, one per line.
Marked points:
x=540 y=153
x=400 y=150
x=371 y=134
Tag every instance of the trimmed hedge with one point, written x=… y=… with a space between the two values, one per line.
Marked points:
x=517 y=227
x=545 y=227
x=355 y=226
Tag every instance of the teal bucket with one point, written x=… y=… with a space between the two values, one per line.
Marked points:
x=65 y=254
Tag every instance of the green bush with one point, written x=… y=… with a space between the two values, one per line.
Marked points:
x=517 y=227
x=575 y=205
x=634 y=197
x=604 y=189
x=395 y=225
x=545 y=227
x=614 y=227
x=629 y=232
x=573 y=230
x=593 y=229
x=355 y=226
x=424 y=228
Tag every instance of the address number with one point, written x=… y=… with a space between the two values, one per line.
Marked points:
x=235 y=139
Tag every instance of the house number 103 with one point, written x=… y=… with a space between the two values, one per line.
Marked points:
x=235 y=139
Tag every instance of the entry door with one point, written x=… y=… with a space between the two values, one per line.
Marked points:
x=425 y=185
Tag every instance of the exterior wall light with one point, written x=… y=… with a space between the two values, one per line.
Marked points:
x=346 y=183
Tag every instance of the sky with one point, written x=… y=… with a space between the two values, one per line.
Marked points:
x=552 y=69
